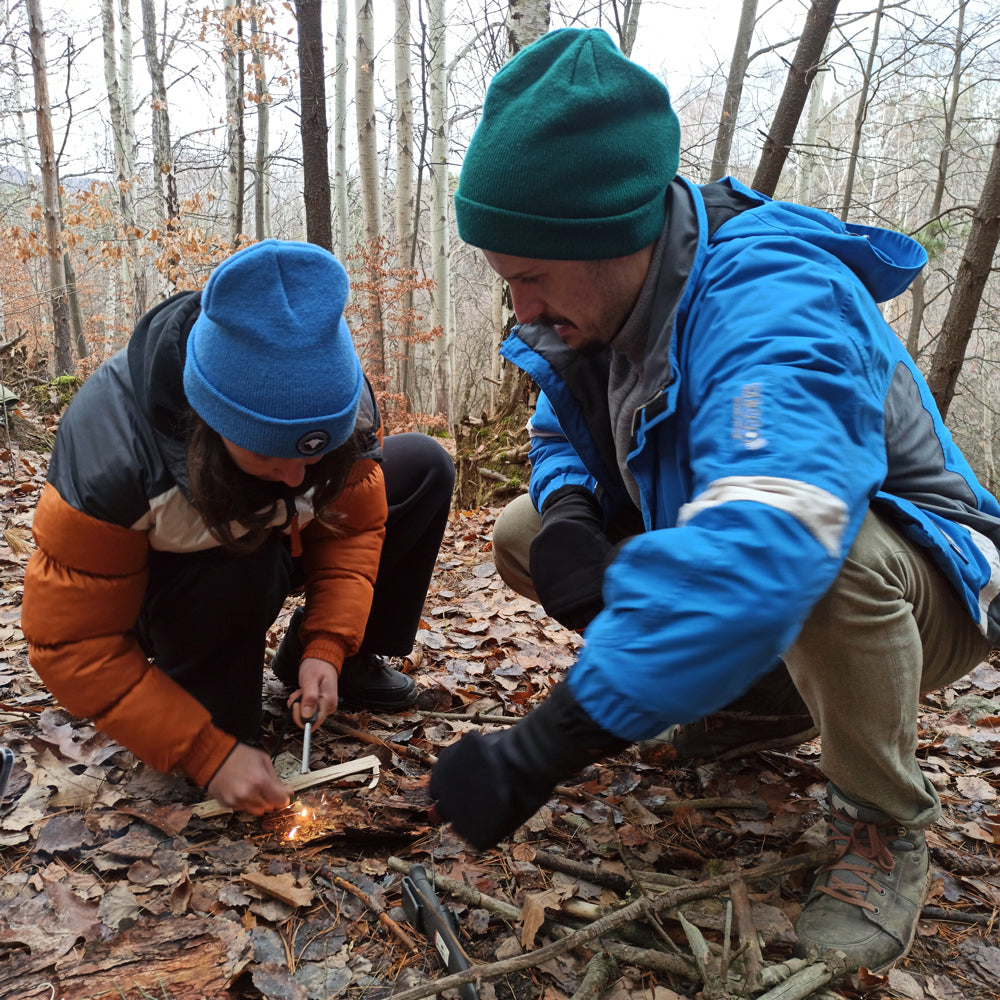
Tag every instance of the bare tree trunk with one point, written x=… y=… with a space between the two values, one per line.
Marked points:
x=861 y=114
x=371 y=199
x=527 y=21
x=440 y=309
x=22 y=129
x=75 y=312
x=312 y=91
x=364 y=95
x=118 y=80
x=405 y=236
x=261 y=172
x=630 y=26
x=63 y=356
x=918 y=287
x=168 y=207
x=956 y=330
x=734 y=90
x=233 y=61
x=505 y=378
x=343 y=230
x=793 y=98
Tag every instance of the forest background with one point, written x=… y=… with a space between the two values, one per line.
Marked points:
x=142 y=141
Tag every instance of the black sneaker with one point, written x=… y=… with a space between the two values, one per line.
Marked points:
x=366 y=682
x=867 y=901
x=369 y=682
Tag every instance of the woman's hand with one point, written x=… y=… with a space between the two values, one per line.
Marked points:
x=247 y=782
x=317 y=691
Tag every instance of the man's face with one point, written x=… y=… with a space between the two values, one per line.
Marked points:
x=586 y=301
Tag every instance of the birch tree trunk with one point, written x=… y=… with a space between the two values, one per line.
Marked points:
x=315 y=154
x=261 y=162
x=118 y=81
x=168 y=204
x=364 y=97
x=364 y=102
x=956 y=330
x=804 y=66
x=630 y=26
x=62 y=352
x=861 y=114
x=342 y=233
x=528 y=20
x=22 y=128
x=734 y=91
x=405 y=211
x=440 y=310
x=233 y=62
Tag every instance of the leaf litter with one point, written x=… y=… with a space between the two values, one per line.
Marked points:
x=111 y=886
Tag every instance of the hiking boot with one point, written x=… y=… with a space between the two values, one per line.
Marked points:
x=770 y=716
x=366 y=681
x=866 y=902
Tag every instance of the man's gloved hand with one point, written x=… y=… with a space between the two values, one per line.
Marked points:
x=486 y=786
x=568 y=557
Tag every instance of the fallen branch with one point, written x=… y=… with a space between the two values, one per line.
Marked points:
x=810 y=979
x=400 y=749
x=605 y=925
x=602 y=971
x=578 y=869
x=210 y=808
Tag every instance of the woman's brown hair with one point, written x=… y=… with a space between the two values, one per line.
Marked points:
x=225 y=495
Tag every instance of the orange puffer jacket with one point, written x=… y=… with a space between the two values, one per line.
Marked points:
x=117 y=487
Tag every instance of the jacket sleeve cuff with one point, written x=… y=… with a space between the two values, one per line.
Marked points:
x=208 y=752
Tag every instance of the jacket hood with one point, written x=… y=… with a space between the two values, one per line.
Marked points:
x=885 y=261
x=155 y=354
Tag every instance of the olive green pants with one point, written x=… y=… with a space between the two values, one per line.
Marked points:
x=890 y=627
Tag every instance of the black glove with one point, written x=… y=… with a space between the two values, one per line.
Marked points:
x=568 y=557
x=486 y=786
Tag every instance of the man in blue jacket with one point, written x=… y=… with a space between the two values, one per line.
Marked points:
x=741 y=492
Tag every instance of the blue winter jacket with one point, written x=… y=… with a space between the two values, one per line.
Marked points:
x=787 y=407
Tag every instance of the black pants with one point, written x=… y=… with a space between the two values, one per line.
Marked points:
x=205 y=615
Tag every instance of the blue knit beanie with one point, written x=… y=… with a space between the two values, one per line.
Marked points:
x=573 y=154
x=270 y=364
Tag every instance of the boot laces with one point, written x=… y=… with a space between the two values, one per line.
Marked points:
x=860 y=851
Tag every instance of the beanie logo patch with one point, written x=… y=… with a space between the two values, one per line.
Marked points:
x=312 y=443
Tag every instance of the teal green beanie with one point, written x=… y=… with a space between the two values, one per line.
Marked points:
x=573 y=155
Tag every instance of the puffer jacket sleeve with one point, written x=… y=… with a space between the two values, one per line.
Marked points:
x=83 y=591
x=341 y=564
x=554 y=462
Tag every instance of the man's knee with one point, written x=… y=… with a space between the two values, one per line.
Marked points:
x=515 y=527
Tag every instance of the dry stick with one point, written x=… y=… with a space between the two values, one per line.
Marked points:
x=810 y=979
x=578 y=869
x=383 y=918
x=508 y=720
x=649 y=958
x=402 y=749
x=746 y=931
x=721 y=803
x=602 y=971
x=608 y=923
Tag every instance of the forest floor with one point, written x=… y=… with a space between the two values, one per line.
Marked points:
x=113 y=884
